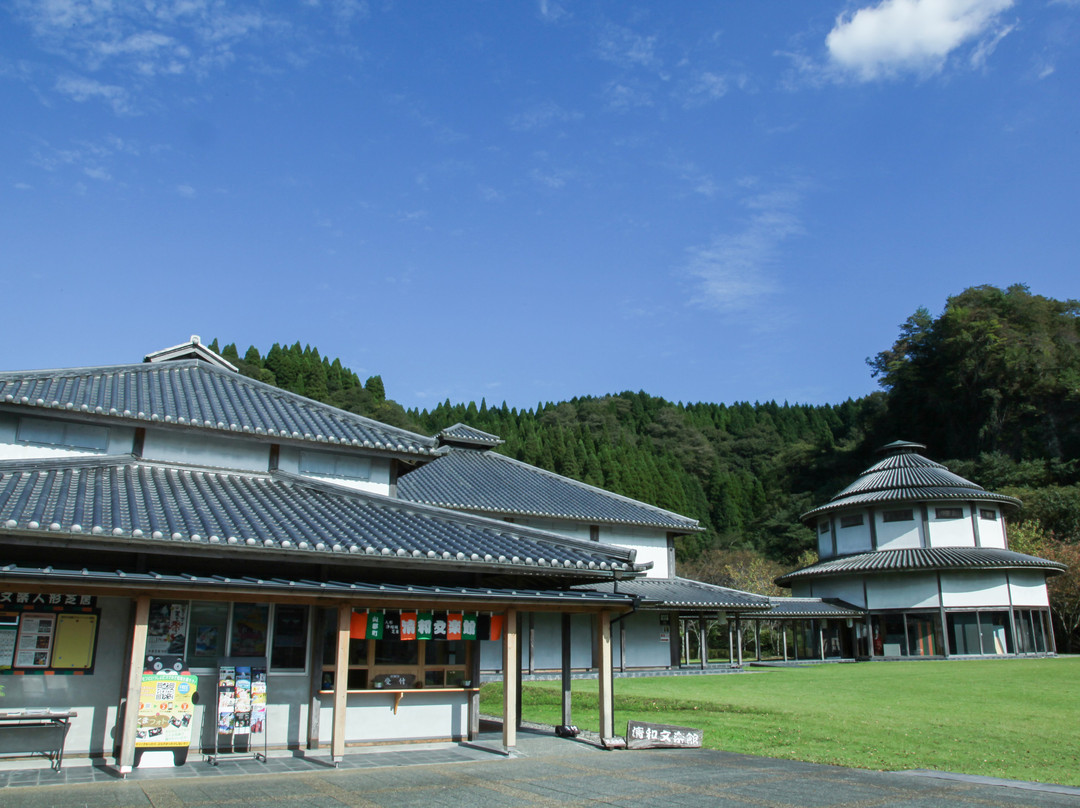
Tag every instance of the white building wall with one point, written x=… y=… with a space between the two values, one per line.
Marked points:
x=991 y=531
x=421 y=715
x=651 y=544
x=951 y=532
x=824 y=540
x=182 y=446
x=855 y=539
x=644 y=646
x=974 y=589
x=1028 y=588
x=913 y=591
x=849 y=590
x=898 y=535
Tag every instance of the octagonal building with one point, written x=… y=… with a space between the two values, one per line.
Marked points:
x=925 y=553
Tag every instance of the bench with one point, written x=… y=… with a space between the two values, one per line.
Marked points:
x=35 y=732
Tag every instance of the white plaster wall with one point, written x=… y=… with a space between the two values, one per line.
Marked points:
x=850 y=540
x=824 y=542
x=206 y=450
x=1028 y=588
x=802 y=589
x=901 y=591
x=898 y=535
x=969 y=589
x=644 y=649
x=992 y=531
x=848 y=589
x=651 y=545
x=548 y=652
x=950 y=532
x=96 y=697
x=421 y=715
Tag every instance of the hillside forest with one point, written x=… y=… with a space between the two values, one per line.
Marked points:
x=991 y=385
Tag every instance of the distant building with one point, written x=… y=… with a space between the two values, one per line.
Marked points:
x=925 y=554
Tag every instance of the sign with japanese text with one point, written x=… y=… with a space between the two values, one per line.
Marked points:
x=640 y=735
x=39 y=601
x=408 y=626
x=166 y=705
x=423 y=626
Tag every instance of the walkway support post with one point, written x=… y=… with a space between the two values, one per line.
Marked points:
x=566 y=661
x=703 y=642
x=341 y=684
x=607 y=680
x=134 y=685
x=511 y=674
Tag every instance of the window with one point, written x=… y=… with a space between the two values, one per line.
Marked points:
x=988 y=514
x=394 y=663
x=949 y=513
x=985 y=633
x=594 y=532
x=216 y=629
x=823 y=527
x=851 y=521
x=61 y=433
x=901 y=515
x=332 y=465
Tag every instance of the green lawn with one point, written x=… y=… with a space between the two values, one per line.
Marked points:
x=1018 y=719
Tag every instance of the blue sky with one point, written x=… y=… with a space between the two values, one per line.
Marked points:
x=529 y=201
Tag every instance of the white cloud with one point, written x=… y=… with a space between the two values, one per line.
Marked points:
x=897 y=36
x=732 y=271
x=626 y=48
x=551 y=10
x=80 y=88
x=541 y=115
x=185 y=191
x=622 y=96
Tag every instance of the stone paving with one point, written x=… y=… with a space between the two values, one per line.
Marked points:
x=545 y=772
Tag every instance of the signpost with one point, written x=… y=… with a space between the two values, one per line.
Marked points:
x=640 y=735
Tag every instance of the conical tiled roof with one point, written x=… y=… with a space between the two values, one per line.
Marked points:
x=904 y=475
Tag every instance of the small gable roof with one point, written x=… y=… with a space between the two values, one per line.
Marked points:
x=192 y=349
x=126 y=503
x=469 y=437
x=488 y=482
x=198 y=394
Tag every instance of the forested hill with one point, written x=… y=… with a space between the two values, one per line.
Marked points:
x=992 y=385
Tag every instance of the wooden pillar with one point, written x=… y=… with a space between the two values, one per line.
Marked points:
x=511 y=673
x=785 y=641
x=607 y=680
x=474 y=695
x=622 y=646
x=341 y=684
x=821 y=640
x=703 y=642
x=730 y=644
x=738 y=637
x=532 y=644
x=757 y=639
x=519 y=669
x=566 y=662
x=134 y=684
x=315 y=664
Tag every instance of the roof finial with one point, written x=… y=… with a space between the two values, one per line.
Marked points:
x=901 y=447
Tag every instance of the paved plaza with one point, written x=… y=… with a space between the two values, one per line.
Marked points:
x=545 y=772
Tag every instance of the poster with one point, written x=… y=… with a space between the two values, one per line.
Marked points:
x=226 y=699
x=258 y=701
x=166 y=631
x=165 y=708
x=7 y=645
x=242 y=702
x=34 y=646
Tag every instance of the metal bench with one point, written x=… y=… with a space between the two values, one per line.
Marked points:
x=35 y=732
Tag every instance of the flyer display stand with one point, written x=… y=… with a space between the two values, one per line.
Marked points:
x=241 y=708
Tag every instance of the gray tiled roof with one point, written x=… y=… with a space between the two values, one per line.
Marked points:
x=124 y=501
x=371 y=592
x=493 y=483
x=922 y=558
x=906 y=476
x=684 y=593
x=811 y=607
x=463 y=434
x=197 y=394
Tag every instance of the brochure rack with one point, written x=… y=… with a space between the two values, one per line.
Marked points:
x=241 y=708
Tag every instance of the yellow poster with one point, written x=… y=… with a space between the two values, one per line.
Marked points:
x=166 y=704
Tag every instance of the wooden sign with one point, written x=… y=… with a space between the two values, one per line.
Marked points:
x=640 y=735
